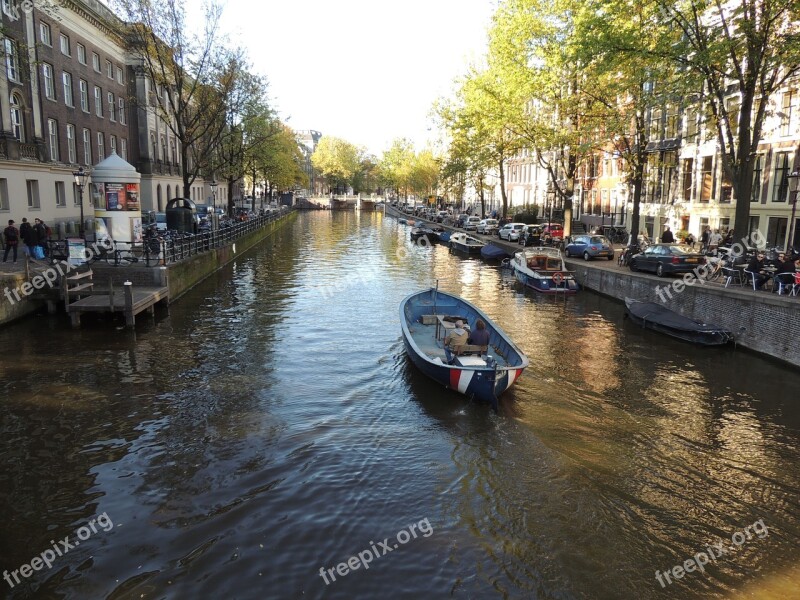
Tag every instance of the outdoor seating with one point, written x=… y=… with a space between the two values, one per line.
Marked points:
x=751 y=278
x=784 y=281
x=732 y=275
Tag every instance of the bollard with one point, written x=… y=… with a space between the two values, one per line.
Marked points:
x=129 y=318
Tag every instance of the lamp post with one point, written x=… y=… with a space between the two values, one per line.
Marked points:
x=796 y=176
x=81 y=177
x=213 y=186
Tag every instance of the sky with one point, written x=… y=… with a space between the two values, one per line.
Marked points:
x=366 y=71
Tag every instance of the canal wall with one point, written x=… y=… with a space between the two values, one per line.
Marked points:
x=10 y=308
x=763 y=322
x=181 y=276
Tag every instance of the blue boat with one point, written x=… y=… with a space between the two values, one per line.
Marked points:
x=492 y=252
x=481 y=373
x=444 y=237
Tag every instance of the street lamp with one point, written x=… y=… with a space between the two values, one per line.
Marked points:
x=796 y=176
x=81 y=178
x=213 y=186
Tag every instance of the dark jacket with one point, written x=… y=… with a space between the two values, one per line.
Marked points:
x=755 y=265
x=12 y=235
x=27 y=234
x=39 y=234
x=667 y=237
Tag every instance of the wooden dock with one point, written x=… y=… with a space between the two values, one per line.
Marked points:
x=130 y=301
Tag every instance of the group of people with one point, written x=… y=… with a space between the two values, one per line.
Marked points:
x=709 y=240
x=34 y=237
x=784 y=269
x=459 y=337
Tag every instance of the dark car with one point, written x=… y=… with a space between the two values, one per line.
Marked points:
x=666 y=258
x=590 y=246
x=531 y=235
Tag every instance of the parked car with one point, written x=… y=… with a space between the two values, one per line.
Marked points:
x=471 y=224
x=461 y=219
x=590 y=246
x=487 y=226
x=161 y=221
x=553 y=230
x=441 y=216
x=666 y=258
x=531 y=235
x=511 y=231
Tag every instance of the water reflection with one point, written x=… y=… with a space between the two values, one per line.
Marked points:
x=271 y=424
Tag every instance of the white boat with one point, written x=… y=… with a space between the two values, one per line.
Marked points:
x=543 y=269
x=466 y=243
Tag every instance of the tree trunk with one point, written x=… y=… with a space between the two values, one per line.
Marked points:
x=503 y=195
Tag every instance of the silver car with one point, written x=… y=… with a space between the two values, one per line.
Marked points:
x=511 y=231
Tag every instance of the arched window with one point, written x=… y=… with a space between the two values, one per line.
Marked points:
x=154 y=147
x=158 y=198
x=17 y=126
x=169 y=192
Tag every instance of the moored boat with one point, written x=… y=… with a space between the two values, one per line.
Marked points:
x=423 y=232
x=444 y=237
x=465 y=243
x=492 y=252
x=425 y=318
x=660 y=318
x=543 y=270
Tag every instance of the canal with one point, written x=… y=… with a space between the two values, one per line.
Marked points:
x=270 y=427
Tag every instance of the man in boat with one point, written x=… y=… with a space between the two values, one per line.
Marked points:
x=455 y=340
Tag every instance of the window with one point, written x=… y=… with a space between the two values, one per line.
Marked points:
x=655 y=124
x=672 y=121
x=32 y=186
x=52 y=138
x=732 y=107
x=87 y=148
x=163 y=149
x=120 y=76
x=121 y=113
x=17 y=126
x=84 y=85
x=98 y=101
x=691 y=124
x=101 y=146
x=776 y=231
x=71 y=144
x=12 y=60
x=109 y=69
x=67 y=79
x=707 y=179
x=96 y=61
x=112 y=142
x=61 y=196
x=755 y=193
x=44 y=34
x=81 y=54
x=123 y=149
x=786 y=112
x=4 y=204
x=112 y=107
x=64 y=44
x=49 y=85
x=780 y=185
x=688 y=177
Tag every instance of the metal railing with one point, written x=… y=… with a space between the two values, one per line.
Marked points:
x=168 y=247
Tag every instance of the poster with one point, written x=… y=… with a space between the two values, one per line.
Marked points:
x=136 y=229
x=115 y=196
x=132 y=196
x=99 y=196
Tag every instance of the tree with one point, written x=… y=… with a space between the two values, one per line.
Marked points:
x=336 y=159
x=736 y=56
x=192 y=76
x=280 y=161
x=395 y=166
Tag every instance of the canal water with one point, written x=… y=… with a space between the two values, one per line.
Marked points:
x=270 y=427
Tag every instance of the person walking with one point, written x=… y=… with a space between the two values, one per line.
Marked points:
x=704 y=239
x=667 y=237
x=39 y=237
x=28 y=236
x=11 y=235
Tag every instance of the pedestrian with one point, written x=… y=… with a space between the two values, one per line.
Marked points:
x=39 y=237
x=714 y=240
x=28 y=237
x=690 y=241
x=728 y=238
x=704 y=238
x=667 y=237
x=11 y=235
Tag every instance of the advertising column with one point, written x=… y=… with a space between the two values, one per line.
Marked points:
x=115 y=197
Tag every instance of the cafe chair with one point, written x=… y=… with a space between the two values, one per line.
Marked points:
x=732 y=275
x=784 y=281
x=751 y=278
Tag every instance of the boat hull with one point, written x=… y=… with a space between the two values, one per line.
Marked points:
x=483 y=383
x=548 y=275
x=670 y=323
x=545 y=285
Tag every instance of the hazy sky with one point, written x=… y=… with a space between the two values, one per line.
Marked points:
x=367 y=71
